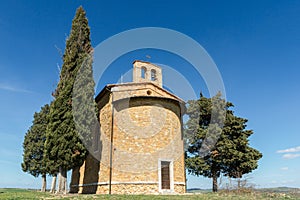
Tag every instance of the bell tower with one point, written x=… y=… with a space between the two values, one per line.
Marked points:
x=146 y=72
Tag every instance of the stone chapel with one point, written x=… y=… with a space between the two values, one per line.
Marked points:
x=139 y=148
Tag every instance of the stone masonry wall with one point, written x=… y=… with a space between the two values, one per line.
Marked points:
x=146 y=130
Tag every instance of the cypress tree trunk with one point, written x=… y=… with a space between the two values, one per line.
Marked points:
x=65 y=192
x=239 y=183
x=44 y=183
x=215 y=181
x=62 y=181
x=239 y=175
x=59 y=180
x=53 y=184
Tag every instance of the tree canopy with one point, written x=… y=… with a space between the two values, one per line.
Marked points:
x=34 y=161
x=228 y=151
x=63 y=144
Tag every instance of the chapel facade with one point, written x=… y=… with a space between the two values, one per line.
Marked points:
x=139 y=148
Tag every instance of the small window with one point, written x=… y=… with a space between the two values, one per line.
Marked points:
x=143 y=72
x=153 y=75
x=165 y=175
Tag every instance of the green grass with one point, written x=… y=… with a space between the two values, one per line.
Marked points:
x=21 y=194
x=32 y=194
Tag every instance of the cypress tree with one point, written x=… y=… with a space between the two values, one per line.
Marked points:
x=203 y=131
x=239 y=157
x=231 y=154
x=85 y=110
x=33 y=146
x=63 y=144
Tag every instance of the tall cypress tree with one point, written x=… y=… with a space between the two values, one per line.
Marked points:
x=85 y=110
x=231 y=154
x=33 y=146
x=63 y=144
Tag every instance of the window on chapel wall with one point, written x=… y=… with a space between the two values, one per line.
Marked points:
x=153 y=75
x=143 y=72
x=165 y=175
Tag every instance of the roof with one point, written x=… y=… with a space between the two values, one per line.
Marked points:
x=110 y=86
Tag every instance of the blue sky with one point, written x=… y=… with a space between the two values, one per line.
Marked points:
x=255 y=45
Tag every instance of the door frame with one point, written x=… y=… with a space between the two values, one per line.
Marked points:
x=171 y=168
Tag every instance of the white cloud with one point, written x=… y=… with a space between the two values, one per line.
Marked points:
x=288 y=153
x=284 y=168
x=290 y=156
x=290 y=150
x=13 y=89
